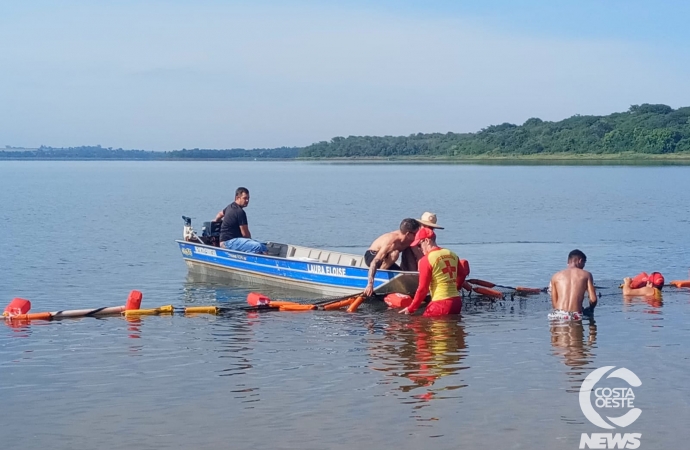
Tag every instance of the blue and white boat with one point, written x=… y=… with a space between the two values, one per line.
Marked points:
x=291 y=266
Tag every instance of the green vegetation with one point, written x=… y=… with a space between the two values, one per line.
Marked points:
x=643 y=132
x=98 y=152
x=644 y=129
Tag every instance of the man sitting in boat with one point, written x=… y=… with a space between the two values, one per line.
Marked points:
x=384 y=251
x=234 y=230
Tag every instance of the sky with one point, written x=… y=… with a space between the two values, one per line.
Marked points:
x=165 y=75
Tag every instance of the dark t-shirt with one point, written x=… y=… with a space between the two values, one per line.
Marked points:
x=234 y=216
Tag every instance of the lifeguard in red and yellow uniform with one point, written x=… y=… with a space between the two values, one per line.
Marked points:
x=442 y=273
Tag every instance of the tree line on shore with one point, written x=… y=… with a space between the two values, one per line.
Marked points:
x=646 y=129
x=650 y=129
x=98 y=152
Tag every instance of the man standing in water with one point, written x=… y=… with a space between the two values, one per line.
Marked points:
x=441 y=273
x=384 y=251
x=568 y=289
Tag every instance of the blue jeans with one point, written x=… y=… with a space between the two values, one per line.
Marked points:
x=245 y=245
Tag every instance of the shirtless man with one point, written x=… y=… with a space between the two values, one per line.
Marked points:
x=384 y=251
x=568 y=289
x=655 y=282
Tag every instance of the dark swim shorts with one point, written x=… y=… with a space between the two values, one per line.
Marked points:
x=369 y=257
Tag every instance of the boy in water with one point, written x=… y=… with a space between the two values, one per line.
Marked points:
x=568 y=289
x=655 y=282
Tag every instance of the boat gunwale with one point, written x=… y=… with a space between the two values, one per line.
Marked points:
x=279 y=258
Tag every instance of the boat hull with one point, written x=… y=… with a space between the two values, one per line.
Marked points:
x=310 y=276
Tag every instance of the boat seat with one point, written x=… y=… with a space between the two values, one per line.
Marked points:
x=275 y=249
x=317 y=255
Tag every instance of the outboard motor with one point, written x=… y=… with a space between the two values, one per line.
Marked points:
x=210 y=233
x=188 y=233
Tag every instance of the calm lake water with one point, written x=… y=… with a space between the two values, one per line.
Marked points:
x=83 y=234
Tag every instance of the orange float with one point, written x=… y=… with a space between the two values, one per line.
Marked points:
x=486 y=284
x=354 y=305
x=488 y=292
x=681 y=283
x=259 y=300
x=297 y=307
x=33 y=316
x=339 y=304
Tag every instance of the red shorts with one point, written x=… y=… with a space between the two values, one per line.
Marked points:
x=439 y=308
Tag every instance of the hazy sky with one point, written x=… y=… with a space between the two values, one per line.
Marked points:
x=221 y=74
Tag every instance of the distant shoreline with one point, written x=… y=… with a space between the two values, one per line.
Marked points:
x=542 y=157
x=627 y=158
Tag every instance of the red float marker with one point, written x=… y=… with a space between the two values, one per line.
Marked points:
x=16 y=307
x=258 y=299
x=397 y=300
x=134 y=300
x=640 y=280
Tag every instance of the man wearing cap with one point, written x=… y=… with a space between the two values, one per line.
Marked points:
x=441 y=273
x=384 y=251
x=652 y=287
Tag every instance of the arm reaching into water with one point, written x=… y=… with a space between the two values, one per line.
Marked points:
x=375 y=264
x=592 y=293
x=369 y=290
x=423 y=287
x=381 y=255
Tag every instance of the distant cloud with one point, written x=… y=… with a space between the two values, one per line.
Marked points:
x=171 y=75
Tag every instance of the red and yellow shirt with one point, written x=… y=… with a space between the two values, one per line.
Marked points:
x=441 y=273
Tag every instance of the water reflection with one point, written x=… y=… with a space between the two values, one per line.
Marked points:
x=201 y=289
x=423 y=351
x=570 y=342
x=655 y=301
x=232 y=335
x=20 y=328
